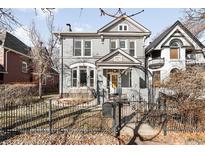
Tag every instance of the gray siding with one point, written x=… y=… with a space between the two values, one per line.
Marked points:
x=131 y=27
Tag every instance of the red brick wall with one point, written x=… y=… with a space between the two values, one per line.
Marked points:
x=14 y=68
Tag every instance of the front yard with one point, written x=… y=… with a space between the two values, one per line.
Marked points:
x=62 y=139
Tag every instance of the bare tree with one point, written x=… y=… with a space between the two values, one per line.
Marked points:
x=194 y=20
x=52 y=42
x=40 y=57
x=42 y=51
x=8 y=21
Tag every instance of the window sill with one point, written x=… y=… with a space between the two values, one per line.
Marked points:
x=82 y=88
x=175 y=60
x=82 y=56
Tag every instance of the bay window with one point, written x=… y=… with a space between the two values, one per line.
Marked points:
x=91 y=78
x=74 y=78
x=83 y=76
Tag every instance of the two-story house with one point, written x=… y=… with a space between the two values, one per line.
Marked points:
x=16 y=64
x=95 y=59
x=174 y=49
x=14 y=59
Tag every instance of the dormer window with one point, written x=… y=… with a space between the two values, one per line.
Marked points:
x=123 y=27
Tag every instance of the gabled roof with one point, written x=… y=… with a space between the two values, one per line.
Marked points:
x=12 y=42
x=167 y=31
x=54 y=71
x=124 y=17
x=120 y=51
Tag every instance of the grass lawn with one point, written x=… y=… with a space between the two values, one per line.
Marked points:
x=35 y=117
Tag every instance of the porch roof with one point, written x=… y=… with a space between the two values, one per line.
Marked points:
x=117 y=58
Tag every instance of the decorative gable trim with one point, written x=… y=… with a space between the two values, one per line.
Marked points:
x=177 y=26
x=103 y=59
x=136 y=24
x=184 y=34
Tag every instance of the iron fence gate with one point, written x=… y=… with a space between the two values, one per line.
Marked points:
x=160 y=115
x=51 y=116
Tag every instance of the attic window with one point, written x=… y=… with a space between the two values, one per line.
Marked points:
x=123 y=27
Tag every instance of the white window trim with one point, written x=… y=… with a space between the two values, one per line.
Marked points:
x=89 y=67
x=75 y=69
x=179 y=56
x=91 y=51
x=123 y=27
x=83 y=48
x=77 y=48
x=125 y=44
x=23 y=62
x=114 y=40
x=134 y=46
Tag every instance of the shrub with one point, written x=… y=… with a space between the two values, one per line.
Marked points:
x=18 y=94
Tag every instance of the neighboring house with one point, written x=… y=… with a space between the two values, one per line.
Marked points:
x=14 y=59
x=174 y=49
x=50 y=78
x=16 y=64
x=95 y=59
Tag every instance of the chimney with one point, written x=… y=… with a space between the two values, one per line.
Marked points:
x=68 y=28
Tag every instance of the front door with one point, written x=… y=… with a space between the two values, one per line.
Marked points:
x=113 y=82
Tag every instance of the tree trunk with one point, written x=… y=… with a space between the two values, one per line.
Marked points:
x=40 y=86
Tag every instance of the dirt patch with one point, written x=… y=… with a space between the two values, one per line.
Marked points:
x=62 y=139
x=182 y=138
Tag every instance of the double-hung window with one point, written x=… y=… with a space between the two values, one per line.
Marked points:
x=91 y=78
x=24 y=67
x=132 y=48
x=113 y=45
x=77 y=48
x=82 y=48
x=87 y=48
x=74 y=77
x=126 y=79
x=123 y=44
x=123 y=27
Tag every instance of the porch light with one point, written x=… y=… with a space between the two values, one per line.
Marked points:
x=102 y=39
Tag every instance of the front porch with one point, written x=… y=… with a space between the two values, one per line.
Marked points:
x=116 y=71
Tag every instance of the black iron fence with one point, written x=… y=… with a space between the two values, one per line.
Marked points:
x=88 y=116
x=162 y=116
x=52 y=116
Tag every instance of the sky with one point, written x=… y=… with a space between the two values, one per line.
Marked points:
x=90 y=20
